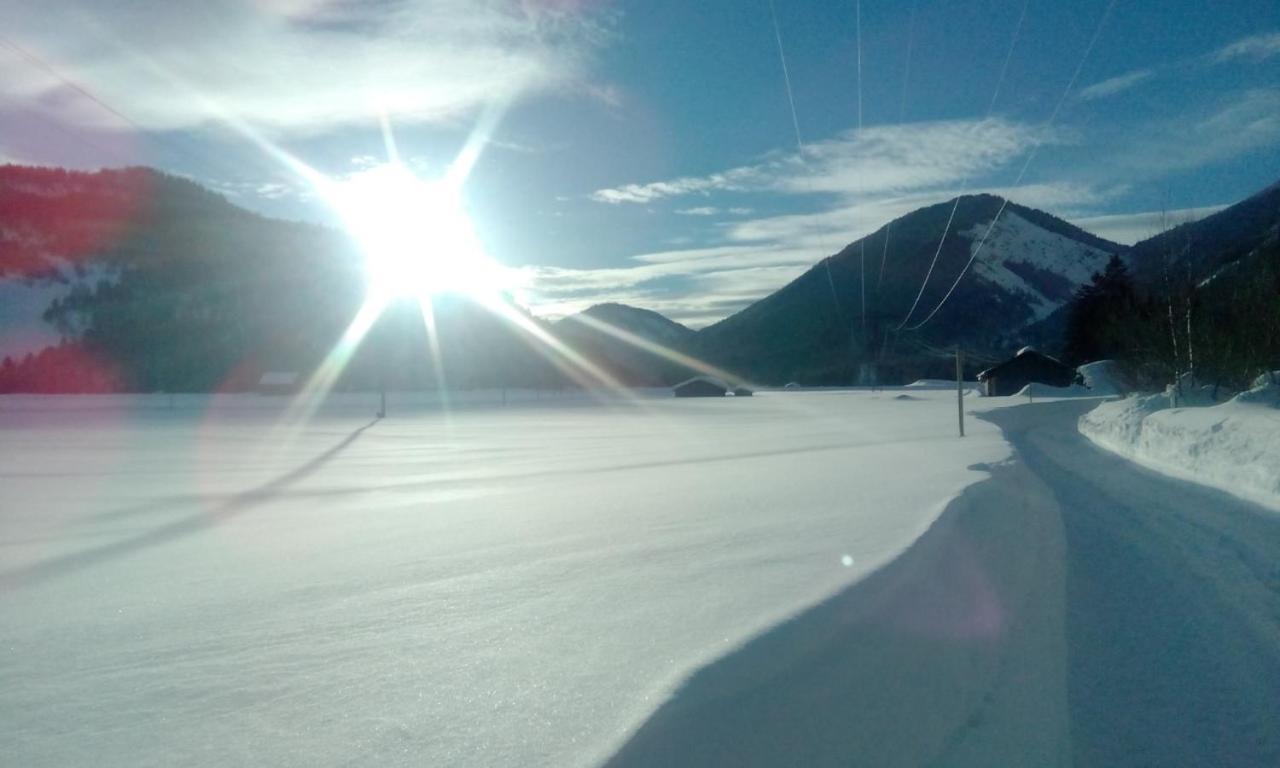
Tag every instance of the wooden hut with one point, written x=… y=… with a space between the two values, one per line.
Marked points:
x=1027 y=367
x=701 y=386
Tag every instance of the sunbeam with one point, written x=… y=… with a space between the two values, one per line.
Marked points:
x=654 y=348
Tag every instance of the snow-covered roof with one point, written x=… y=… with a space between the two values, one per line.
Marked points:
x=707 y=379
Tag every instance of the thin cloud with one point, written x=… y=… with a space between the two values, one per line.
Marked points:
x=737 y=179
x=1129 y=228
x=711 y=210
x=882 y=159
x=297 y=67
x=703 y=298
x=1256 y=47
x=1112 y=86
x=1237 y=125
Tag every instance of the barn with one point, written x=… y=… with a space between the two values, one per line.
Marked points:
x=1027 y=367
x=701 y=386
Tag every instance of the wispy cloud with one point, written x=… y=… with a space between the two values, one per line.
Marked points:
x=889 y=158
x=735 y=179
x=1113 y=85
x=697 y=291
x=711 y=210
x=1129 y=228
x=1238 y=124
x=292 y=66
x=1257 y=47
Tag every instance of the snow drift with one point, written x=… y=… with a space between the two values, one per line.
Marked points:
x=1233 y=446
x=515 y=586
x=1103 y=378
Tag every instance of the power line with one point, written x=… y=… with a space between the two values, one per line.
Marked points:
x=786 y=75
x=902 y=114
x=1004 y=69
x=50 y=69
x=795 y=122
x=1097 y=32
x=945 y=230
x=862 y=242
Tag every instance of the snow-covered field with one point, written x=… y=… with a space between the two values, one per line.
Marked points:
x=502 y=586
x=1233 y=446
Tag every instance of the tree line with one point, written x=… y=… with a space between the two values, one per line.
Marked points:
x=1222 y=330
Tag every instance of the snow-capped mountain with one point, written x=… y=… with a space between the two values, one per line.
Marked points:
x=1023 y=259
x=861 y=304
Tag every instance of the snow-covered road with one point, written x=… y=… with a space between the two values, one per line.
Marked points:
x=1173 y=605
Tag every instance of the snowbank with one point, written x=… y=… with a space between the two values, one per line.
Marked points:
x=1103 y=378
x=970 y=387
x=1044 y=390
x=953 y=654
x=1233 y=446
x=941 y=384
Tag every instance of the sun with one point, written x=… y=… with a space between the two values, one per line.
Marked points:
x=415 y=235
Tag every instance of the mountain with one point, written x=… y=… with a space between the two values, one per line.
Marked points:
x=600 y=333
x=155 y=283
x=644 y=323
x=1198 y=250
x=812 y=329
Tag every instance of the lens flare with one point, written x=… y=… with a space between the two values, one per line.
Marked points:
x=415 y=235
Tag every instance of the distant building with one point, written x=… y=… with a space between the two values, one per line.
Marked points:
x=742 y=392
x=1027 y=367
x=701 y=386
x=278 y=383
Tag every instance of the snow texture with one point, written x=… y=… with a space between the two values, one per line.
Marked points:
x=1172 y=615
x=1036 y=389
x=1102 y=378
x=185 y=583
x=808 y=578
x=1029 y=261
x=970 y=387
x=1233 y=446
x=1069 y=610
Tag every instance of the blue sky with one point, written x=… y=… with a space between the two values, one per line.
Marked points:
x=646 y=151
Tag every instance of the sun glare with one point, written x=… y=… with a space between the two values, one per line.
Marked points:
x=415 y=234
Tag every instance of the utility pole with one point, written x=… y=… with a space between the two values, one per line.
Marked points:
x=960 y=387
x=384 y=365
